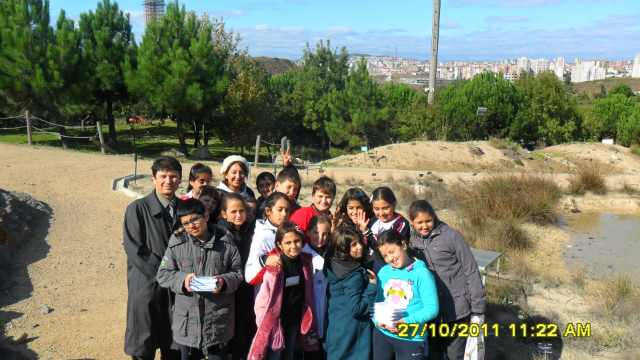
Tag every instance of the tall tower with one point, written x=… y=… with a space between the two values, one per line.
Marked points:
x=153 y=9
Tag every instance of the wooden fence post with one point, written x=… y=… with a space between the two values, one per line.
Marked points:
x=64 y=139
x=257 y=150
x=29 y=135
x=102 y=145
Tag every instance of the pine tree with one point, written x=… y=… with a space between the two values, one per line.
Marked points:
x=107 y=40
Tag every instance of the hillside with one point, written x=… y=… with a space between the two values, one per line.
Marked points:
x=275 y=65
x=594 y=86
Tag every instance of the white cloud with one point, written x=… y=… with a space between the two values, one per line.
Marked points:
x=450 y=25
x=137 y=17
x=620 y=20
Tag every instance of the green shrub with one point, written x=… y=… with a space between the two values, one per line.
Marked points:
x=335 y=152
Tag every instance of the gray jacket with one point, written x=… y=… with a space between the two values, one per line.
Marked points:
x=458 y=281
x=201 y=320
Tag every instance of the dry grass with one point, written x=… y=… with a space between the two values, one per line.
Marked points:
x=628 y=189
x=503 y=144
x=615 y=293
x=589 y=176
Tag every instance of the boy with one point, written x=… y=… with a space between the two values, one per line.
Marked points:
x=323 y=193
x=200 y=320
x=265 y=183
x=288 y=183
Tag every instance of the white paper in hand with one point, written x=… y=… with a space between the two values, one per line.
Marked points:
x=203 y=284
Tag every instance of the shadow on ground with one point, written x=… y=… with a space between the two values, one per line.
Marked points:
x=25 y=223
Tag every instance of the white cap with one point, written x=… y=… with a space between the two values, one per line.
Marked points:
x=232 y=159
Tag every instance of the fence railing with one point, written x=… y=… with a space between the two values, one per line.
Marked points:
x=276 y=165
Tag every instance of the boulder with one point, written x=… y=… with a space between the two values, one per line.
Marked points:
x=173 y=153
x=277 y=159
x=202 y=153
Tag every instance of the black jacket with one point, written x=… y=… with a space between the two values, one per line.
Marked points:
x=147 y=229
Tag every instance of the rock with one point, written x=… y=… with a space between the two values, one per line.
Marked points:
x=33 y=326
x=46 y=310
x=277 y=159
x=22 y=338
x=173 y=153
x=83 y=310
x=202 y=153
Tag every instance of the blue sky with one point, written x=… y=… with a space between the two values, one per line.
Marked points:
x=470 y=29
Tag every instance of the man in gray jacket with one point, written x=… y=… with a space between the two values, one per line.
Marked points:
x=148 y=224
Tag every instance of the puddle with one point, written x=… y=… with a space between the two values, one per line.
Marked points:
x=603 y=244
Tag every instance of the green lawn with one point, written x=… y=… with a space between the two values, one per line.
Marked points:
x=150 y=141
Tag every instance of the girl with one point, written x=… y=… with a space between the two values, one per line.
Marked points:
x=404 y=283
x=318 y=232
x=285 y=312
x=460 y=291
x=234 y=170
x=354 y=210
x=277 y=211
x=252 y=207
x=233 y=222
x=351 y=291
x=199 y=176
x=210 y=197
x=384 y=204
x=202 y=321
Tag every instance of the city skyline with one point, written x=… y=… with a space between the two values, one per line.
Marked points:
x=471 y=30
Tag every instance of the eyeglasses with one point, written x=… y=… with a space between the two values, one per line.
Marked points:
x=193 y=221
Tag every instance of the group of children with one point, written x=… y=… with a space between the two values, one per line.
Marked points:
x=301 y=282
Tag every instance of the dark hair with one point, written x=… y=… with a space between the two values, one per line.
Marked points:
x=384 y=193
x=340 y=243
x=392 y=237
x=196 y=170
x=229 y=197
x=250 y=199
x=324 y=184
x=422 y=207
x=288 y=175
x=166 y=163
x=271 y=202
x=285 y=228
x=318 y=219
x=357 y=195
x=265 y=176
x=191 y=207
x=213 y=193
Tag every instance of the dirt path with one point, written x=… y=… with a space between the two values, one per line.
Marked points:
x=83 y=275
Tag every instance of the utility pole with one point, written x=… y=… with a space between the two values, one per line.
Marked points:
x=433 y=66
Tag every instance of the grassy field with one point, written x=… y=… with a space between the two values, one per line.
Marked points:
x=150 y=141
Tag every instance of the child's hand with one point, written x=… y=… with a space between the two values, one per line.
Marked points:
x=388 y=328
x=220 y=284
x=187 y=282
x=336 y=220
x=274 y=260
x=372 y=277
x=363 y=222
x=286 y=158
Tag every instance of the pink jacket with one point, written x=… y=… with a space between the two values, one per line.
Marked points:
x=268 y=304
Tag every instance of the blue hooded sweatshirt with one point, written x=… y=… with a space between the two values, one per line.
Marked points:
x=412 y=288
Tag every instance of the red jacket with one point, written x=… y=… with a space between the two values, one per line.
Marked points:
x=268 y=305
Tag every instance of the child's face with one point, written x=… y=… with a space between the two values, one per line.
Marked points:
x=209 y=203
x=265 y=188
x=289 y=188
x=251 y=212
x=202 y=180
x=323 y=201
x=195 y=224
x=235 y=213
x=395 y=255
x=353 y=207
x=356 y=249
x=235 y=176
x=319 y=235
x=291 y=245
x=279 y=213
x=383 y=210
x=423 y=223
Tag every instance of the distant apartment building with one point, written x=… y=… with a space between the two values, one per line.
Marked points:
x=524 y=64
x=153 y=9
x=539 y=65
x=577 y=61
x=587 y=71
x=636 y=67
x=559 y=68
x=509 y=77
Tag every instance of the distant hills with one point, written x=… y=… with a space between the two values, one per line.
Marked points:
x=277 y=66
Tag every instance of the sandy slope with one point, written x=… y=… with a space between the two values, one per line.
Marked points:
x=85 y=267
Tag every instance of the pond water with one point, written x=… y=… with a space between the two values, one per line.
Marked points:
x=603 y=244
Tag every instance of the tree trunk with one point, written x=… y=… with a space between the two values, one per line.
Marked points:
x=196 y=135
x=324 y=146
x=205 y=139
x=183 y=144
x=113 y=139
x=242 y=151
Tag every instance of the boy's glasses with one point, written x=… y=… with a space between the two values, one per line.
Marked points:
x=193 y=221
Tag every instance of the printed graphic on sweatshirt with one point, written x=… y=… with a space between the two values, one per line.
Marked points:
x=398 y=293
